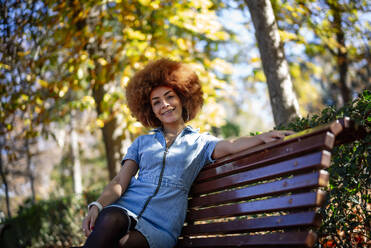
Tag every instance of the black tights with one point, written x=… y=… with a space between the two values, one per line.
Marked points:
x=112 y=224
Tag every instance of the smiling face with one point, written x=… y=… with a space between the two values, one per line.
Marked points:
x=166 y=105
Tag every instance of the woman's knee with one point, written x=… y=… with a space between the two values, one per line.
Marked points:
x=112 y=217
x=134 y=239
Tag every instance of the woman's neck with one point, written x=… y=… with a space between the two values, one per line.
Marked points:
x=173 y=129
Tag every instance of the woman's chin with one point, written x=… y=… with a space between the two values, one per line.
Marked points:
x=171 y=121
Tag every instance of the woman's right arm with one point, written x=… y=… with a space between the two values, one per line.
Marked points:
x=111 y=193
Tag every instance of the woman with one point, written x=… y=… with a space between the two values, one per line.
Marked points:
x=149 y=211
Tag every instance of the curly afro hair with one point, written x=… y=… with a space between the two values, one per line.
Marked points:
x=163 y=72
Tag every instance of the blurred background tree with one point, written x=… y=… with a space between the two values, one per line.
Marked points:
x=313 y=50
x=65 y=66
x=334 y=36
x=283 y=100
x=98 y=47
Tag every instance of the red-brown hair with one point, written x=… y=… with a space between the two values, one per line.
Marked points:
x=163 y=72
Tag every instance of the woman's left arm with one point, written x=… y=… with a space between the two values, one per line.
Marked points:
x=226 y=147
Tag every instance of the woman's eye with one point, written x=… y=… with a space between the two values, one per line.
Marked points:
x=155 y=103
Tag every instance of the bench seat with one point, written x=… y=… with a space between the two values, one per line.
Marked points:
x=267 y=196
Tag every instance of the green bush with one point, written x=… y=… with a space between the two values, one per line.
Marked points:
x=48 y=223
x=346 y=218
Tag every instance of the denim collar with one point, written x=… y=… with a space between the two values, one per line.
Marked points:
x=187 y=129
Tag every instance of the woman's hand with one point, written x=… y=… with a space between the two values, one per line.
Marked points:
x=226 y=147
x=274 y=135
x=111 y=193
x=89 y=220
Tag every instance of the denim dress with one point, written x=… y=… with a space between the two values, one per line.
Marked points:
x=158 y=196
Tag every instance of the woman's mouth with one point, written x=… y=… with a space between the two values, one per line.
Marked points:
x=168 y=111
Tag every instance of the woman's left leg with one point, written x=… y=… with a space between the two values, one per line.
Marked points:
x=134 y=239
x=111 y=225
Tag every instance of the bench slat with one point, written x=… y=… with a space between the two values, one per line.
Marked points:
x=334 y=127
x=289 y=239
x=290 y=202
x=318 y=141
x=293 y=149
x=319 y=160
x=304 y=181
x=305 y=219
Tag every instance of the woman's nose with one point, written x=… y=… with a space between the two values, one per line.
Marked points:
x=164 y=104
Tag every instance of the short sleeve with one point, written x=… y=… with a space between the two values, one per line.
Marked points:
x=210 y=143
x=133 y=152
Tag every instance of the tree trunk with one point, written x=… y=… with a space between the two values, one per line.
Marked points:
x=5 y=182
x=342 y=55
x=112 y=146
x=283 y=100
x=77 y=184
x=29 y=169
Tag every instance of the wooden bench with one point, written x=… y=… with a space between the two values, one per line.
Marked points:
x=267 y=196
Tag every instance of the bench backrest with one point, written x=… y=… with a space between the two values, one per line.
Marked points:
x=265 y=196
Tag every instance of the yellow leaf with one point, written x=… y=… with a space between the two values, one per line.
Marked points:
x=260 y=76
x=24 y=98
x=220 y=35
x=84 y=57
x=181 y=44
x=39 y=101
x=80 y=73
x=88 y=100
x=63 y=91
x=37 y=109
x=43 y=83
x=150 y=53
x=205 y=4
x=6 y=67
x=125 y=110
x=289 y=8
x=102 y=61
x=155 y=4
x=23 y=53
x=106 y=97
x=255 y=59
x=134 y=34
x=135 y=128
x=295 y=71
x=124 y=81
x=286 y=36
x=27 y=122
x=90 y=64
x=99 y=123
x=130 y=17
x=145 y=2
